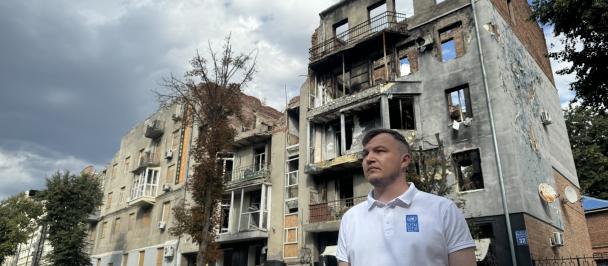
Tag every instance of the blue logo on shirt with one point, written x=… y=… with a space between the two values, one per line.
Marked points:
x=411 y=223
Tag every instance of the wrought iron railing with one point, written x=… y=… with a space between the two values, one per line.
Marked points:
x=332 y=210
x=247 y=173
x=389 y=20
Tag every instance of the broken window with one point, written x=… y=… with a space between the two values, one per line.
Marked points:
x=405 y=7
x=452 y=43
x=468 y=170
x=401 y=113
x=225 y=212
x=448 y=50
x=259 y=161
x=341 y=31
x=408 y=62
x=377 y=13
x=459 y=104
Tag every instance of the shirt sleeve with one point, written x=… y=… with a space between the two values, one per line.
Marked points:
x=342 y=252
x=456 y=230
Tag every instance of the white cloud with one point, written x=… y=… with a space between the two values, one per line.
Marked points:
x=27 y=166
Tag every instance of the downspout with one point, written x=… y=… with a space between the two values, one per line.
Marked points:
x=503 y=194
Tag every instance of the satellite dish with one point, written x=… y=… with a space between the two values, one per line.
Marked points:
x=547 y=192
x=571 y=194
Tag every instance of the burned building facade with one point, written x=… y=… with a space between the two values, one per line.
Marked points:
x=473 y=73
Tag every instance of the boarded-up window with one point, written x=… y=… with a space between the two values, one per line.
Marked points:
x=116 y=227
x=170 y=177
x=102 y=230
x=159 y=256
x=115 y=170
x=175 y=141
x=109 y=201
x=141 y=258
x=290 y=250
x=127 y=165
x=125 y=259
x=145 y=218
x=166 y=211
x=131 y=222
x=291 y=235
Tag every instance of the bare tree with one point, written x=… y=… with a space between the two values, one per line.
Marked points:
x=211 y=93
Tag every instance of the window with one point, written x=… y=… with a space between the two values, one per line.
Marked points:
x=291 y=185
x=116 y=227
x=459 y=104
x=259 y=162
x=92 y=233
x=125 y=259
x=127 y=162
x=102 y=230
x=341 y=31
x=131 y=222
x=448 y=50
x=141 y=258
x=145 y=217
x=225 y=208
x=226 y=161
x=404 y=66
x=291 y=235
x=452 y=43
x=160 y=256
x=175 y=141
x=170 y=174
x=122 y=195
x=468 y=170
x=401 y=113
x=405 y=7
x=115 y=170
x=377 y=16
x=109 y=201
x=166 y=211
x=438 y=1
x=145 y=184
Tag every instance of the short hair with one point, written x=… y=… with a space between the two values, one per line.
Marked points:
x=369 y=135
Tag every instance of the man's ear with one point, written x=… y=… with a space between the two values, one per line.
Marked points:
x=406 y=158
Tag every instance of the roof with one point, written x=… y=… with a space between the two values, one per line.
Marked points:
x=594 y=204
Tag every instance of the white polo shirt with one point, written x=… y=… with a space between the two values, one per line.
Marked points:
x=416 y=228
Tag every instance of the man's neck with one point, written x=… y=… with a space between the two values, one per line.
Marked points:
x=387 y=193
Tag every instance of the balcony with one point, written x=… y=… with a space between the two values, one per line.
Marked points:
x=326 y=216
x=253 y=225
x=255 y=135
x=94 y=217
x=145 y=186
x=154 y=129
x=389 y=22
x=247 y=174
x=148 y=159
x=341 y=162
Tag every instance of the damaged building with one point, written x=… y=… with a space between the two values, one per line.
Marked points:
x=148 y=176
x=472 y=73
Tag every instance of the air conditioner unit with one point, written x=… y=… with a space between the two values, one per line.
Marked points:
x=168 y=154
x=557 y=239
x=169 y=252
x=166 y=187
x=545 y=117
x=162 y=225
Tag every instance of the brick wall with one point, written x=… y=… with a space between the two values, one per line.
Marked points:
x=576 y=236
x=517 y=14
x=597 y=224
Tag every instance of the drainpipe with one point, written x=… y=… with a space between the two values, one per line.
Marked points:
x=493 y=129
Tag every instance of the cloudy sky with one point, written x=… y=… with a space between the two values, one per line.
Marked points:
x=77 y=75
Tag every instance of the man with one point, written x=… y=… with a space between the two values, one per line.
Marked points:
x=399 y=225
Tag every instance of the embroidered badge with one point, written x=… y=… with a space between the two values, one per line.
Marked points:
x=411 y=223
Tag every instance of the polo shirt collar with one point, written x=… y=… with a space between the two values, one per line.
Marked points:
x=404 y=199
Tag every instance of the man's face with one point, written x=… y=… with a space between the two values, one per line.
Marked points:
x=384 y=159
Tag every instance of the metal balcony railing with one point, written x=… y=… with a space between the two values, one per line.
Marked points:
x=387 y=21
x=332 y=210
x=249 y=172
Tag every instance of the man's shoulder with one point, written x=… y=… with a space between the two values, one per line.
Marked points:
x=358 y=209
x=433 y=199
